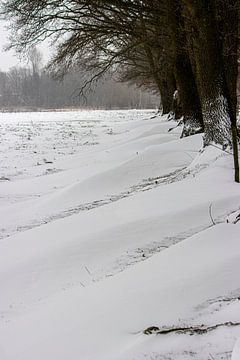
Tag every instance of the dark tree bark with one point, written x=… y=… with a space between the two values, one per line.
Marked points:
x=164 y=80
x=167 y=89
x=177 y=107
x=208 y=57
x=227 y=13
x=186 y=85
x=161 y=66
x=228 y=29
x=214 y=37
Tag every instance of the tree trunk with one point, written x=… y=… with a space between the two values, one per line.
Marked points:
x=167 y=89
x=228 y=27
x=187 y=91
x=228 y=12
x=214 y=38
x=186 y=85
x=164 y=80
x=209 y=71
x=162 y=69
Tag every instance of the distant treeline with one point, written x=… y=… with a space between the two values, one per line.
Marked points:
x=26 y=89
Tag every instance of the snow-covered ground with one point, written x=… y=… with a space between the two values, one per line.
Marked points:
x=111 y=225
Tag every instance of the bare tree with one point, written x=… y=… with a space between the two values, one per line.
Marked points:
x=35 y=57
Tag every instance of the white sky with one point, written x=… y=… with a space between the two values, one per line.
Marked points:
x=9 y=59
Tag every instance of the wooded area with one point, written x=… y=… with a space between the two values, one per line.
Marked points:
x=22 y=89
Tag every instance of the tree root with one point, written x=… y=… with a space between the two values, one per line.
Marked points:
x=192 y=330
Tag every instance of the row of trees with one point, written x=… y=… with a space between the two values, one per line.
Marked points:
x=21 y=88
x=187 y=50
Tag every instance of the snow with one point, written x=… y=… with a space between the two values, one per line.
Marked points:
x=128 y=227
x=236 y=351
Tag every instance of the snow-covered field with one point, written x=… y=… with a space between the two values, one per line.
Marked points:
x=118 y=240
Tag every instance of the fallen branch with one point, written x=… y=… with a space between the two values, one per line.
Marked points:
x=229 y=299
x=192 y=330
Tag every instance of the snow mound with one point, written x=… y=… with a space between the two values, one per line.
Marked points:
x=137 y=232
x=236 y=351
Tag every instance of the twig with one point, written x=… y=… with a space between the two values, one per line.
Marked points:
x=228 y=152
x=210 y=214
x=88 y=270
x=178 y=124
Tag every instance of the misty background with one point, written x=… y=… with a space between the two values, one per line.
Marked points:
x=26 y=86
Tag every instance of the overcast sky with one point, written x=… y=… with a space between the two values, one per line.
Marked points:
x=8 y=59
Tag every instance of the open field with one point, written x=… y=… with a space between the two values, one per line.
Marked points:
x=111 y=225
